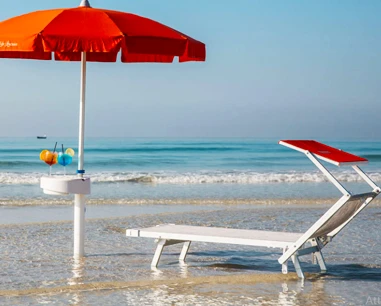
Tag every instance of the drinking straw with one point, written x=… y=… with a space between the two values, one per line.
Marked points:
x=63 y=157
x=54 y=150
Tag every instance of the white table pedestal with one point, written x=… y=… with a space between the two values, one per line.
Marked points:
x=65 y=185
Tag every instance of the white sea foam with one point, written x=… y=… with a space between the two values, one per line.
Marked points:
x=19 y=178
x=201 y=177
x=245 y=177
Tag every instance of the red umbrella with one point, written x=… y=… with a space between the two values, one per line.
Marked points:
x=101 y=33
x=89 y=34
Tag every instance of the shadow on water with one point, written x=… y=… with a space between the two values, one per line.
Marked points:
x=260 y=261
x=345 y=272
x=117 y=254
x=354 y=272
x=230 y=253
x=240 y=260
x=262 y=265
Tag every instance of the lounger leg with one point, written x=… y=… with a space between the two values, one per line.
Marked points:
x=313 y=259
x=285 y=265
x=319 y=257
x=159 y=250
x=184 y=251
x=298 y=268
x=285 y=268
x=321 y=262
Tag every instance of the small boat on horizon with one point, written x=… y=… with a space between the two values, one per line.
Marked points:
x=42 y=137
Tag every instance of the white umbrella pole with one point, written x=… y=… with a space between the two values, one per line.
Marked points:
x=82 y=115
x=79 y=199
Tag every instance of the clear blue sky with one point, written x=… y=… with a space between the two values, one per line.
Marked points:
x=287 y=69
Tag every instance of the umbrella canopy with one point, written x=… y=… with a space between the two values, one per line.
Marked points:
x=99 y=32
x=89 y=34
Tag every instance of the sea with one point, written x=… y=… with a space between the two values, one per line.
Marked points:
x=178 y=170
x=228 y=182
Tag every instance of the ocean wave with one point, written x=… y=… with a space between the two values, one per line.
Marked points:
x=202 y=177
x=158 y=149
x=372 y=157
x=20 y=178
x=227 y=178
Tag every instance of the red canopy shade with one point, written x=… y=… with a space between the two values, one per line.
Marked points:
x=101 y=33
x=330 y=154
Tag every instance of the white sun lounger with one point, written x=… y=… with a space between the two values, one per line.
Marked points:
x=293 y=245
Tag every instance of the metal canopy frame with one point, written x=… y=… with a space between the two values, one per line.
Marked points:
x=294 y=245
x=318 y=243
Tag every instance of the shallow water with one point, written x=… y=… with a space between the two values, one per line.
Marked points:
x=37 y=268
x=38 y=214
x=238 y=183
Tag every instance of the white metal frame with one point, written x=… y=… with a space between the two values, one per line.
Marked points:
x=80 y=199
x=169 y=235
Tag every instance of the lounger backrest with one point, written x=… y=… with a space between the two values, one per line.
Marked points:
x=333 y=221
x=342 y=215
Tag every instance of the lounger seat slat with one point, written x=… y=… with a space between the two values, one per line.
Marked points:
x=217 y=235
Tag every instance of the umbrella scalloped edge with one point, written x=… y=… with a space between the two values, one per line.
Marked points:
x=102 y=34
